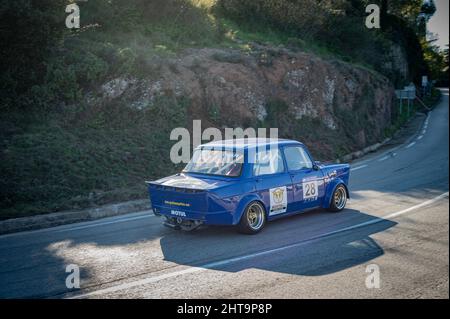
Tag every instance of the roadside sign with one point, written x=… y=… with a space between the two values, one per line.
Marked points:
x=424 y=81
x=408 y=93
x=399 y=94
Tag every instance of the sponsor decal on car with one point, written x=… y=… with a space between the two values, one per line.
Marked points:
x=310 y=189
x=178 y=213
x=176 y=203
x=278 y=200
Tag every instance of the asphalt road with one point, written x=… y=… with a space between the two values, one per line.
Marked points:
x=396 y=223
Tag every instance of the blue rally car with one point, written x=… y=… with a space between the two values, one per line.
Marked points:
x=247 y=182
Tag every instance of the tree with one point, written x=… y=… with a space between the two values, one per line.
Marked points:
x=415 y=12
x=443 y=81
x=437 y=61
x=28 y=29
x=428 y=8
x=446 y=57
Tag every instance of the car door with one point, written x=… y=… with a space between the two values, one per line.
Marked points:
x=272 y=181
x=308 y=183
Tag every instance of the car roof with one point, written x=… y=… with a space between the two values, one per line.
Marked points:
x=246 y=143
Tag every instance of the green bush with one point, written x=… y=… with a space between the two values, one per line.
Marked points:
x=305 y=17
x=93 y=156
x=29 y=29
x=336 y=27
x=43 y=62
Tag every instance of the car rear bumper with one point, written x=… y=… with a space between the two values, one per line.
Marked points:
x=209 y=218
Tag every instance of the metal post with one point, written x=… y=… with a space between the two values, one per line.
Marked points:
x=409 y=102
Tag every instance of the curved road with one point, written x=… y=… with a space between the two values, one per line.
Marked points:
x=396 y=224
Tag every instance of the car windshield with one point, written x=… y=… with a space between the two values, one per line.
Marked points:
x=216 y=162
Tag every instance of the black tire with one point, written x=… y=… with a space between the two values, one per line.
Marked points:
x=338 y=199
x=246 y=226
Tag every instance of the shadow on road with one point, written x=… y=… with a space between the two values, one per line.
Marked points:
x=312 y=254
x=127 y=251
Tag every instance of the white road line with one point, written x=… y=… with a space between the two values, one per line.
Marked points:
x=358 y=167
x=424 y=129
x=103 y=223
x=93 y=223
x=425 y=124
x=426 y=203
x=411 y=145
x=383 y=158
x=225 y=262
x=420 y=137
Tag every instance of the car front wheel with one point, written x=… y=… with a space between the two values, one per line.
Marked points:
x=339 y=199
x=253 y=219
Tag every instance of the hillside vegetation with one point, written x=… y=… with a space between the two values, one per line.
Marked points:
x=66 y=143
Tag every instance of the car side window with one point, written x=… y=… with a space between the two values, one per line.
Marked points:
x=297 y=158
x=268 y=162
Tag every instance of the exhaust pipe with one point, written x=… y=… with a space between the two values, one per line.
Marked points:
x=180 y=224
x=171 y=224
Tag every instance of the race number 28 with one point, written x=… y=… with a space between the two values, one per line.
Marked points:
x=310 y=189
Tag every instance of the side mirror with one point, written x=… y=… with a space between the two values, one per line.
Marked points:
x=316 y=165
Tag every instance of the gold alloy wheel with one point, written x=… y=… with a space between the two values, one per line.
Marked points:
x=340 y=198
x=255 y=216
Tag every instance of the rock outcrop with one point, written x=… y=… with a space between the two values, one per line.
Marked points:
x=348 y=106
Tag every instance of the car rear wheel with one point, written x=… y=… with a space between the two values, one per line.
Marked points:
x=253 y=219
x=339 y=199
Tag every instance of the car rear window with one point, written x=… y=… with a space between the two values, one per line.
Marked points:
x=216 y=162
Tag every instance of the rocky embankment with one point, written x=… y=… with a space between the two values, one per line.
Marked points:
x=333 y=106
